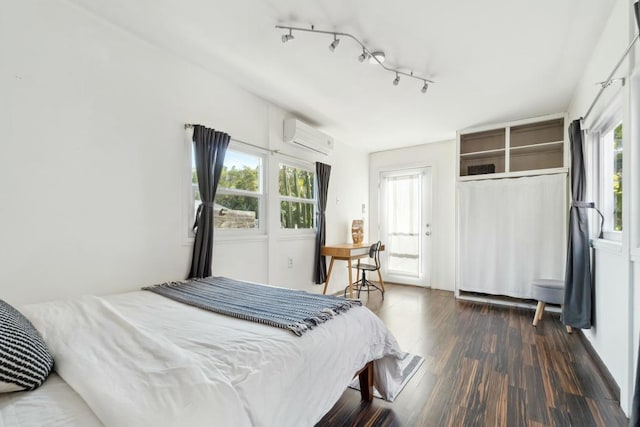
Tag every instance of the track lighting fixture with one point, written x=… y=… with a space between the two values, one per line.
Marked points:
x=334 y=43
x=287 y=37
x=376 y=57
x=363 y=56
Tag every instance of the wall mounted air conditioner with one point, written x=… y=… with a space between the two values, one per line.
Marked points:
x=302 y=135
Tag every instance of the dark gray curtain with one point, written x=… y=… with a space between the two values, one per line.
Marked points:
x=576 y=311
x=635 y=405
x=209 y=147
x=323 y=172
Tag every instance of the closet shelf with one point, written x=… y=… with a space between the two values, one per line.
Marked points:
x=537 y=148
x=483 y=154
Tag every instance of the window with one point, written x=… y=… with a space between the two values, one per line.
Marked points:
x=297 y=197
x=612 y=177
x=609 y=138
x=239 y=198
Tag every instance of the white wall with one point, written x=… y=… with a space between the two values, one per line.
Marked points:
x=92 y=160
x=348 y=189
x=616 y=324
x=441 y=158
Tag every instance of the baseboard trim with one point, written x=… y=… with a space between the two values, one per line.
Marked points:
x=611 y=383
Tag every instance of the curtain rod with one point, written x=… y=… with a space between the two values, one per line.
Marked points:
x=272 y=152
x=605 y=84
x=300 y=159
x=239 y=141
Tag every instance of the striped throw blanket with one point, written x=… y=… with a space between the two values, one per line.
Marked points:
x=297 y=311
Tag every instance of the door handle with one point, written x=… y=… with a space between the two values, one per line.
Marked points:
x=428 y=233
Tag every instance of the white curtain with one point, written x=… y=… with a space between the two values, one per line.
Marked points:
x=511 y=232
x=404 y=197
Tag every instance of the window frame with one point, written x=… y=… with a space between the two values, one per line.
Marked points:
x=313 y=201
x=602 y=167
x=260 y=194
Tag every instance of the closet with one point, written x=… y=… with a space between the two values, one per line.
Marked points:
x=512 y=205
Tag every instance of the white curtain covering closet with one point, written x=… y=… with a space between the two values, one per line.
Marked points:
x=511 y=231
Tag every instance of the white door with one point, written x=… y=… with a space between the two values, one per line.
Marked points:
x=405 y=225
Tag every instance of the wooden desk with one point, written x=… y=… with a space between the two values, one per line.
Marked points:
x=346 y=252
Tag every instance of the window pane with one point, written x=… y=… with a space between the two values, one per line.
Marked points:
x=296 y=214
x=295 y=182
x=236 y=211
x=403 y=224
x=196 y=189
x=611 y=178
x=617 y=178
x=241 y=171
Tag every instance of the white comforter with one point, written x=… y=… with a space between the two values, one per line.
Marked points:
x=142 y=359
x=53 y=404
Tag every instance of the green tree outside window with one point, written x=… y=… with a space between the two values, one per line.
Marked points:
x=297 y=204
x=617 y=178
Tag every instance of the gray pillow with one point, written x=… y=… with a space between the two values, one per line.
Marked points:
x=25 y=361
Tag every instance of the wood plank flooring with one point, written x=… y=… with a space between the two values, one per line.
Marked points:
x=484 y=366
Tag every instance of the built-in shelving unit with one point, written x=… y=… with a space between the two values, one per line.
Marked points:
x=520 y=148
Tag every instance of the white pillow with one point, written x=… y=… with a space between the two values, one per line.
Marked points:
x=25 y=361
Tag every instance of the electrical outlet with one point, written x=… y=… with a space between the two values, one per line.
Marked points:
x=290 y=262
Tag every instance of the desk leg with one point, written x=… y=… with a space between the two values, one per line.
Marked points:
x=326 y=282
x=350 y=279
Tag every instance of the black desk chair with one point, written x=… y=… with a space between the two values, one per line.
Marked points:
x=363 y=284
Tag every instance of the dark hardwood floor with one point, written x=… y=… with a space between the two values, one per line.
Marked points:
x=484 y=366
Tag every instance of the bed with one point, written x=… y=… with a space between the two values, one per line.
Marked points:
x=142 y=359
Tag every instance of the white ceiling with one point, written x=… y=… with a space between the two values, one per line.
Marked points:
x=492 y=60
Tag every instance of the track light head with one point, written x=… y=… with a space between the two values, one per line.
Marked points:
x=396 y=80
x=287 y=37
x=363 y=56
x=425 y=87
x=334 y=43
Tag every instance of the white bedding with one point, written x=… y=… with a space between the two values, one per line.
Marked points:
x=142 y=359
x=53 y=404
